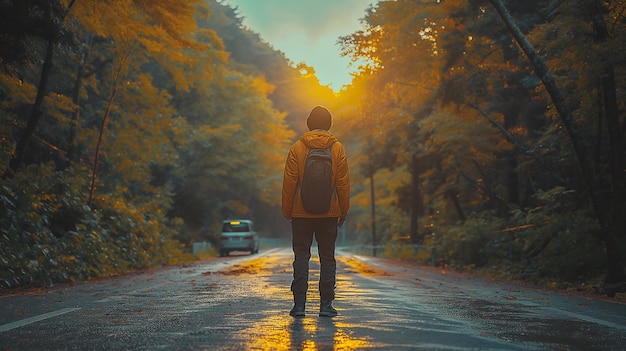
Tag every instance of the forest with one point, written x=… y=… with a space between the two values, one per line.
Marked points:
x=482 y=135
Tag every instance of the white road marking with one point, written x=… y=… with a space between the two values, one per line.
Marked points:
x=23 y=322
x=587 y=318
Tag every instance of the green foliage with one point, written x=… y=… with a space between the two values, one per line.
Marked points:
x=500 y=180
x=189 y=135
x=231 y=154
x=24 y=25
x=553 y=241
x=49 y=236
x=558 y=240
x=199 y=118
x=474 y=243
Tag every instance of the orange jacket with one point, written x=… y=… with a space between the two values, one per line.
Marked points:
x=294 y=168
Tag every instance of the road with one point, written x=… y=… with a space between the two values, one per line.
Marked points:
x=241 y=302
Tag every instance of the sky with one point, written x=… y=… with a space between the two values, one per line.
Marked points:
x=307 y=31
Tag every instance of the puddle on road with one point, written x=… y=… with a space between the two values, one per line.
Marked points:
x=254 y=313
x=361 y=267
x=275 y=329
x=257 y=266
x=287 y=333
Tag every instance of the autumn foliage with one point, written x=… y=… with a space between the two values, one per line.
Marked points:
x=494 y=134
x=129 y=130
x=483 y=135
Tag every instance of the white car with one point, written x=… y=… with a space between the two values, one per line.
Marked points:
x=238 y=235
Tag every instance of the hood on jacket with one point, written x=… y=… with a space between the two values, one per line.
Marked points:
x=318 y=139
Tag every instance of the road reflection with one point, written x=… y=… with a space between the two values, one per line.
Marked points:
x=306 y=334
x=276 y=330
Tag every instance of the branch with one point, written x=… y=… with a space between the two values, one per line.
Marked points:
x=500 y=127
x=542 y=71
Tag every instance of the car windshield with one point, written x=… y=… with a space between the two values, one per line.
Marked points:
x=235 y=226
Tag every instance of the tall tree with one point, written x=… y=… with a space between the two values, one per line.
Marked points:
x=404 y=47
x=50 y=27
x=609 y=213
x=119 y=72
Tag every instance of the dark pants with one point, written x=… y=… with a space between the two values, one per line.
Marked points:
x=325 y=231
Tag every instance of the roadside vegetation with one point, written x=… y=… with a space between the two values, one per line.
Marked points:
x=120 y=148
x=492 y=134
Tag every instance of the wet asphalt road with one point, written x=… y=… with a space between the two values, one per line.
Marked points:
x=242 y=303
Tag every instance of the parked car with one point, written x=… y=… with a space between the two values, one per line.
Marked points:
x=238 y=235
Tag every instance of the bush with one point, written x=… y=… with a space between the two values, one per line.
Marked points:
x=477 y=242
x=559 y=243
x=48 y=235
x=553 y=241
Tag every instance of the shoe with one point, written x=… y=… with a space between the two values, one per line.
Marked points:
x=326 y=309
x=297 y=310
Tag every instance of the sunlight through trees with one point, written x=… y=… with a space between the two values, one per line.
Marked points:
x=484 y=135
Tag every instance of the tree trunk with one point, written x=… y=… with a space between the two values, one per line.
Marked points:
x=125 y=56
x=415 y=200
x=36 y=111
x=452 y=195
x=373 y=198
x=510 y=121
x=615 y=213
x=611 y=227
x=78 y=83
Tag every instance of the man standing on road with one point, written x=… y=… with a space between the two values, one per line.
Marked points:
x=309 y=216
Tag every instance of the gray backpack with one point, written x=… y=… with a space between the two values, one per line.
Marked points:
x=317 y=185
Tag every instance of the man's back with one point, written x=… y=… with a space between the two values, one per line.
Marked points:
x=294 y=172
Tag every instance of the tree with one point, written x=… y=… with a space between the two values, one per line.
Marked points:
x=404 y=47
x=609 y=213
x=189 y=133
x=50 y=27
x=121 y=67
x=474 y=123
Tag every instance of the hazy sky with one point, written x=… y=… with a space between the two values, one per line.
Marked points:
x=307 y=30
